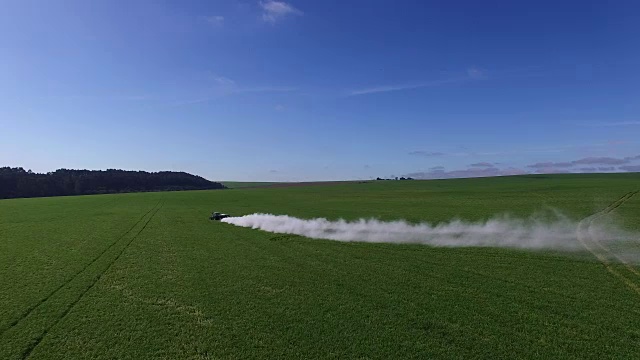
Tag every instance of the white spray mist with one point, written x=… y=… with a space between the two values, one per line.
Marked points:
x=532 y=233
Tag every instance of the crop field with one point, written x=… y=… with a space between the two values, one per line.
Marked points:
x=148 y=275
x=242 y=184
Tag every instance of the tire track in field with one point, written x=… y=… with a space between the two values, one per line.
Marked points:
x=27 y=352
x=602 y=246
x=32 y=308
x=605 y=248
x=587 y=239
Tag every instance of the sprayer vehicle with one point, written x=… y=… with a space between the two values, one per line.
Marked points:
x=218 y=216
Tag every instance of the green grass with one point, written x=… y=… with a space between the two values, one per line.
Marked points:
x=245 y=184
x=149 y=276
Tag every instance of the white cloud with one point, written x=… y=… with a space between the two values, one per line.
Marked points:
x=630 y=168
x=389 y=88
x=476 y=73
x=273 y=11
x=482 y=164
x=585 y=161
x=221 y=80
x=472 y=73
x=215 y=20
x=483 y=169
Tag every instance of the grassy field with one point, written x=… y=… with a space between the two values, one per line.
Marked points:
x=244 y=184
x=135 y=276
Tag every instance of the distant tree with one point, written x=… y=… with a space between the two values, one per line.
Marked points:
x=16 y=182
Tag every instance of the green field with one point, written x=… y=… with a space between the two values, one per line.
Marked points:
x=135 y=276
x=245 y=184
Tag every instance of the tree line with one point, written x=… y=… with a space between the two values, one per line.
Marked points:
x=396 y=178
x=20 y=183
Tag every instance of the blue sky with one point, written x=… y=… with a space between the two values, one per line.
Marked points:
x=321 y=90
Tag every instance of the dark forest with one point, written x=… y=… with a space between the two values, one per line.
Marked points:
x=20 y=183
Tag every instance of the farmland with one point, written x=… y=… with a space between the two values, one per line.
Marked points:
x=243 y=184
x=149 y=276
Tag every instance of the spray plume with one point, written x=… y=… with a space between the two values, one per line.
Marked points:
x=532 y=233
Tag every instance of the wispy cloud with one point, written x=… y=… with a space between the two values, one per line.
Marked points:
x=426 y=153
x=471 y=74
x=274 y=11
x=589 y=148
x=224 y=81
x=584 y=161
x=548 y=164
x=485 y=169
x=630 y=168
x=400 y=87
x=482 y=164
x=602 y=161
x=476 y=73
x=214 y=20
x=594 y=164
